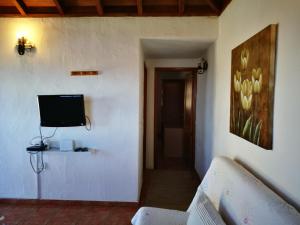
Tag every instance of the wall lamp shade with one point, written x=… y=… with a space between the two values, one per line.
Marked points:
x=23 y=45
x=202 y=66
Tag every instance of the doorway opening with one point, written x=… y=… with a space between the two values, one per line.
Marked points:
x=174 y=118
x=174 y=141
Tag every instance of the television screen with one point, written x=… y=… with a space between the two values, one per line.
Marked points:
x=61 y=110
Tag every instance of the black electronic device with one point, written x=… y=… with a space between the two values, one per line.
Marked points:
x=81 y=150
x=62 y=110
x=36 y=148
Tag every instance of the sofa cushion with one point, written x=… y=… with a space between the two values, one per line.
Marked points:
x=158 y=216
x=202 y=211
x=241 y=198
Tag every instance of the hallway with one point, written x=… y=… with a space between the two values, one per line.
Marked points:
x=172 y=189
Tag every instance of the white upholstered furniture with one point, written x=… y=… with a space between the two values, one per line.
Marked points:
x=239 y=197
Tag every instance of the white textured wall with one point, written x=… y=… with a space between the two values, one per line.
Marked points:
x=200 y=120
x=111 y=45
x=241 y=20
x=141 y=116
x=151 y=65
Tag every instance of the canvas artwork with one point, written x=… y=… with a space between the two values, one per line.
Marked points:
x=252 y=88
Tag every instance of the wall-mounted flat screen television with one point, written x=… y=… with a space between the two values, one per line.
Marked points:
x=61 y=110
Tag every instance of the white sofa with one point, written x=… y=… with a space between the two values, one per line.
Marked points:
x=238 y=196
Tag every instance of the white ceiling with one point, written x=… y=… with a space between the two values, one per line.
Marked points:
x=157 y=48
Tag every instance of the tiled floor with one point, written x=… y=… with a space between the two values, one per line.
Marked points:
x=167 y=163
x=172 y=189
x=65 y=215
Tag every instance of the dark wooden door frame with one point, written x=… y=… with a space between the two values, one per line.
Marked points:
x=157 y=72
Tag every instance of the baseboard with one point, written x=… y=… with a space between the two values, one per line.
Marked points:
x=67 y=202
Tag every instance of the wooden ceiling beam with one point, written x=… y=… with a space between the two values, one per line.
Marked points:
x=99 y=7
x=212 y=4
x=59 y=7
x=70 y=8
x=224 y=5
x=20 y=5
x=181 y=7
x=139 y=4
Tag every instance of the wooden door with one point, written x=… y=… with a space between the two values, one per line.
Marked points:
x=190 y=85
x=173 y=94
x=189 y=121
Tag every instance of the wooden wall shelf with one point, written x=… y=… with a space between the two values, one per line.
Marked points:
x=84 y=73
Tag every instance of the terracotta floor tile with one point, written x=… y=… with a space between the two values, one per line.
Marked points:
x=17 y=214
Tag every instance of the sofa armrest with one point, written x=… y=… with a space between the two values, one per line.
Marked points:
x=158 y=216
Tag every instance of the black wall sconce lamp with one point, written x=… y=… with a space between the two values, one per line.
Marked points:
x=23 y=45
x=202 y=66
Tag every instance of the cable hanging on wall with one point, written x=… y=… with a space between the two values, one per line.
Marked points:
x=40 y=166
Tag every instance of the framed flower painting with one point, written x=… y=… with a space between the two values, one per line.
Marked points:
x=252 y=88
